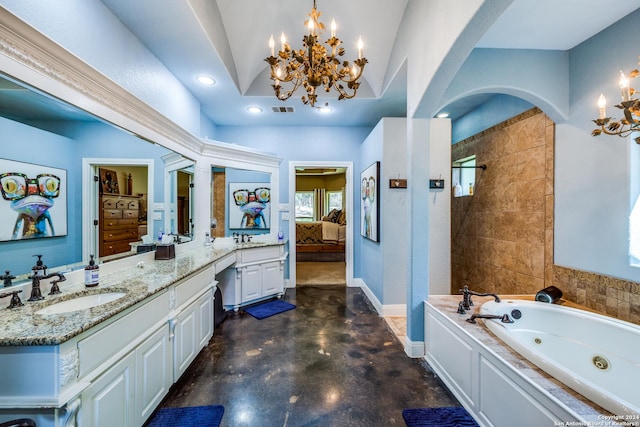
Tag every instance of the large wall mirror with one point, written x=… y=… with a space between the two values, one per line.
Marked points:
x=241 y=202
x=74 y=185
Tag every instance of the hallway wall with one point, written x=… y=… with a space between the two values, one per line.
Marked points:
x=502 y=236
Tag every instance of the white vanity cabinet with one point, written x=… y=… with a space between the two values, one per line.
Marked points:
x=258 y=274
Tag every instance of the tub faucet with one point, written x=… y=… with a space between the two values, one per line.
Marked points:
x=466 y=299
x=504 y=318
x=36 y=293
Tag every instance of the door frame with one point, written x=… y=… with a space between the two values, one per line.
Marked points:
x=91 y=195
x=349 y=207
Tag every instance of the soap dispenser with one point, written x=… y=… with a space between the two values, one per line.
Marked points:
x=91 y=274
x=39 y=269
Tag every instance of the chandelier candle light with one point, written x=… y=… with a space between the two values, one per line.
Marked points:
x=630 y=107
x=311 y=66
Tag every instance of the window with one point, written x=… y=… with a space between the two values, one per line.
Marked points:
x=304 y=205
x=463 y=173
x=334 y=201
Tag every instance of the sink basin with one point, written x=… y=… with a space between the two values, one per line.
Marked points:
x=81 y=303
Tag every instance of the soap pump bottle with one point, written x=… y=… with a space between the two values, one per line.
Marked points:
x=39 y=269
x=91 y=274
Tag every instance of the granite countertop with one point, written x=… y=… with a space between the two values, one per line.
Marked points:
x=448 y=304
x=22 y=326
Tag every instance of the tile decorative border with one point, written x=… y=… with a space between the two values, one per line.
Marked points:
x=608 y=295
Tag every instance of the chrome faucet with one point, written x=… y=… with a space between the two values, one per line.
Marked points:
x=504 y=318
x=466 y=302
x=36 y=293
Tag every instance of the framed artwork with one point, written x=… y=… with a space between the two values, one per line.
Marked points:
x=370 y=206
x=34 y=201
x=249 y=206
x=109 y=182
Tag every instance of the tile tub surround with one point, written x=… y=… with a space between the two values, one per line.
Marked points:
x=448 y=304
x=605 y=294
x=22 y=327
x=502 y=236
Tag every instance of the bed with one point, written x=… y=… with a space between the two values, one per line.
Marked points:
x=322 y=240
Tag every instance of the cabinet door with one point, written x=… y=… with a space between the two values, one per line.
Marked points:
x=153 y=373
x=251 y=282
x=272 y=282
x=205 y=318
x=184 y=341
x=109 y=400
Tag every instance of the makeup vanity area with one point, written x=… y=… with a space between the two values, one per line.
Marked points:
x=107 y=355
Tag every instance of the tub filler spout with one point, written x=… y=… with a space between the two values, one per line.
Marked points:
x=466 y=298
x=504 y=318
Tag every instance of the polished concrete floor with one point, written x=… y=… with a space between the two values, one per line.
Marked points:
x=332 y=361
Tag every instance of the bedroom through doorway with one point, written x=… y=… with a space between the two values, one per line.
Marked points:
x=320 y=210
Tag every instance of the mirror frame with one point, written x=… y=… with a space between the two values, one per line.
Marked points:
x=28 y=56
x=233 y=156
x=172 y=163
x=90 y=195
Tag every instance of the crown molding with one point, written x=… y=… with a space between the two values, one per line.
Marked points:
x=47 y=66
x=240 y=154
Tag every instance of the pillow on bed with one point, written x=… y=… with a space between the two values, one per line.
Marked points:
x=342 y=218
x=333 y=215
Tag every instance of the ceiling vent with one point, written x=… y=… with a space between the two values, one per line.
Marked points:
x=282 y=109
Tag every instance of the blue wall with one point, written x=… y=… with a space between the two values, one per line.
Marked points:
x=306 y=144
x=496 y=110
x=91 y=139
x=233 y=175
x=371 y=258
x=26 y=144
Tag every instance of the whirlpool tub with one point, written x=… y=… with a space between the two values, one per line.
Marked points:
x=595 y=355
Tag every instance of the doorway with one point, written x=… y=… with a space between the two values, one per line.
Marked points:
x=127 y=184
x=320 y=191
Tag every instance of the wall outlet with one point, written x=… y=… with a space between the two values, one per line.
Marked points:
x=157 y=216
x=285 y=216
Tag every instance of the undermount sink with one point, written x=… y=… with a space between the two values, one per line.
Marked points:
x=81 y=303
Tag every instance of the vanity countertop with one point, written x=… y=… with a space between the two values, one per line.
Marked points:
x=23 y=327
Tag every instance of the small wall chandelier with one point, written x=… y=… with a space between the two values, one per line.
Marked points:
x=311 y=67
x=630 y=107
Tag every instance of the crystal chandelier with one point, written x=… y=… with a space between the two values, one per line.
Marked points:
x=630 y=107
x=313 y=66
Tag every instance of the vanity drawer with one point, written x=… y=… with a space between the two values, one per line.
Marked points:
x=193 y=286
x=112 y=213
x=124 y=332
x=258 y=254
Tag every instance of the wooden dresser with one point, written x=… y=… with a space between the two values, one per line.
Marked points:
x=118 y=224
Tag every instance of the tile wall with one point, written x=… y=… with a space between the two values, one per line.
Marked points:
x=502 y=235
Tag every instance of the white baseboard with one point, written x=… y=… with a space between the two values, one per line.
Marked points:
x=414 y=348
x=382 y=309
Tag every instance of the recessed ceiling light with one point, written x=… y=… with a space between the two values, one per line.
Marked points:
x=442 y=115
x=325 y=109
x=254 y=110
x=206 y=80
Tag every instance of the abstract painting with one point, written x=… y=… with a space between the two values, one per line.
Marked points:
x=250 y=208
x=370 y=205
x=34 y=201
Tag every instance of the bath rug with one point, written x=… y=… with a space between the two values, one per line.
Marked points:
x=455 y=416
x=193 y=416
x=268 y=309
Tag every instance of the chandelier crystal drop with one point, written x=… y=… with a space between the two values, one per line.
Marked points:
x=314 y=66
x=630 y=106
